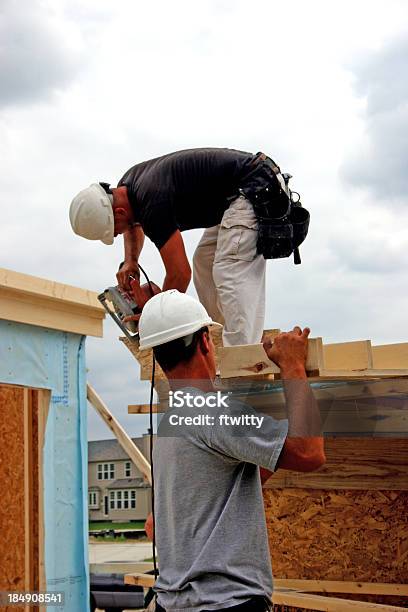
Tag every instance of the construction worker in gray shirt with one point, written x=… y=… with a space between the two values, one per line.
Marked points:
x=209 y=517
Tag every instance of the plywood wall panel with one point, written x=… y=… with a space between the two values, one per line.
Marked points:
x=338 y=535
x=12 y=514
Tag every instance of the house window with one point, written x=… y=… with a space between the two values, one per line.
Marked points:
x=127 y=469
x=93 y=499
x=106 y=471
x=123 y=499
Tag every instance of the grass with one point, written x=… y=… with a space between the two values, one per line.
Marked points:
x=99 y=526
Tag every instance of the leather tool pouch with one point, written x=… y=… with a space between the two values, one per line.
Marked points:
x=282 y=223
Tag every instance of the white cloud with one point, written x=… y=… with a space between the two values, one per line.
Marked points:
x=40 y=52
x=125 y=82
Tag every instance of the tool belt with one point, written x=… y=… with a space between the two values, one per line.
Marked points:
x=282 y=222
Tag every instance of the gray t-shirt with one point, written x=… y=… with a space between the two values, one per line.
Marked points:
x=210 y=523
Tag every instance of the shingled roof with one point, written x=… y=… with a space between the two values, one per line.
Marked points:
x=109 y=450
x=128 y=483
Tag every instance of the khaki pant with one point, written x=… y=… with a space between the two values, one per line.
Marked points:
x=229 y=275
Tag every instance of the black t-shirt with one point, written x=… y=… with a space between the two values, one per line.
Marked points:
x=184 y=190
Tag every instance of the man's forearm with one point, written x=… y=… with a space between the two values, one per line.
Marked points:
x=301 y=406
x=133 y=242
x=177 y=280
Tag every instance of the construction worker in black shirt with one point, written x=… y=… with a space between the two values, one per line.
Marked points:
x=161 y=198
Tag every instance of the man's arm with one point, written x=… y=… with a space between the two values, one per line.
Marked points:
x=303 y=450
x=178 y=271
x=133 y=241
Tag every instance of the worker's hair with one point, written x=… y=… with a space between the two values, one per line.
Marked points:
x=173 y=353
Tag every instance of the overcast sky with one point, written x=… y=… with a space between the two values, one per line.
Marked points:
x=90 y=88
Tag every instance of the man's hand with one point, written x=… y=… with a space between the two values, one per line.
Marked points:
x=127 y=269
x=149 y=527
x=141 y=295
x=289 y=352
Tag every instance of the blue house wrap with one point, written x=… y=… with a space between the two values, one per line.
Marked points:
x=48 y=359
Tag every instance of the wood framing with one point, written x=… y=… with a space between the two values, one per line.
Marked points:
x=124 y=440
x=297 y=593
x=306 y=586
x=327 y=604
x=325 y=361
x=251 y=359
x=390 y=356
x=145 y=409
x=37 y=301
x=348 y=356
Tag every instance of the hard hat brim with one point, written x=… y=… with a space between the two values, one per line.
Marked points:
x=165 y=337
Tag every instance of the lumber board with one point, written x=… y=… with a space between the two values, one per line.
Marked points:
x=340 y=586
x=306 y=586
x=45 y=312
x=284 y=594
x=353 y=463
x=390 y=356
x=29 y=493
x=251 y=360
x=43 y=399
x=145 y=408
x=144 y=580
x=124 y=440
x=356 y=374
x=38 y=301
x=58 y=292
x=348 y=355
x=327 y=604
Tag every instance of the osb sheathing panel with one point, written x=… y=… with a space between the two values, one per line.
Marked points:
x=353 y=535
x=12 y=543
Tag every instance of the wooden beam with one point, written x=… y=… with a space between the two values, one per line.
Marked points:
x=360 y=374
x=340 y=586
x=306 y=586
x=44 y=397
x=28 y=493
x=348 y=356
x=124 y=440
x=327 y=604
x=251 y=360
x=144 y=580
x=390 y=356
x=37 y=301
x=145 y=408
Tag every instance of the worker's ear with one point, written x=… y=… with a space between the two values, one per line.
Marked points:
x=205 y=342
x=120 y=213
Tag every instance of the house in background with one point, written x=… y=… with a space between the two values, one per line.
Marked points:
x=117 y=490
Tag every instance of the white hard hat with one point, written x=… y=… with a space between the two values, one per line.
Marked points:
x=91 y=214
x=170 y=315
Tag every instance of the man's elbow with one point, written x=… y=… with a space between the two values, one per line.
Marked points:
x=180 y=279
x=302 y=454
x=312 y=462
